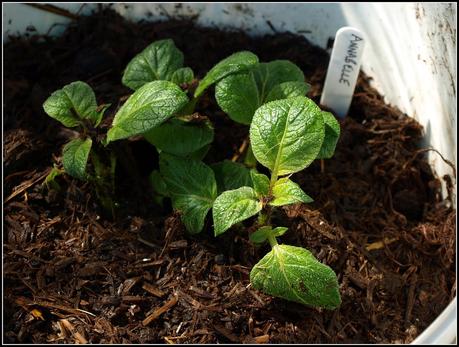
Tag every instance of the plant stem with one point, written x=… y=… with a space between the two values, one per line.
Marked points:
x=241 y=150
x=189 y=107
x=262 y=219
x=104 y=181
x=272 y=240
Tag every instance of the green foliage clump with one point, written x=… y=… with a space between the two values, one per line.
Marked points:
x=288 y=131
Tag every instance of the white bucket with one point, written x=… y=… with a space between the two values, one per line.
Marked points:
x=410 y=54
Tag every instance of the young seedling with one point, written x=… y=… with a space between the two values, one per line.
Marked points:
x=75 y=106
x=286 y=136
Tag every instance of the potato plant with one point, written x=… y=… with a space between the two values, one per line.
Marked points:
x=288 y=132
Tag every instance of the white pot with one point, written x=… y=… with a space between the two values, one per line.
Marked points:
x=410 y=54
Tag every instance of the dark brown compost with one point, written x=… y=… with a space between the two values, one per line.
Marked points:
x=73 y=275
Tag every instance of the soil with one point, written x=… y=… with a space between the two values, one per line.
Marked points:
x=73 y=275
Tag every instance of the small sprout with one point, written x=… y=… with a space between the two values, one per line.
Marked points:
x=50 y=180
x=264 y=233
x=75 y=105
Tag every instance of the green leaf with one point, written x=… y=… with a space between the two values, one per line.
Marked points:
x=50 y=180
x=159 y=187
x=288 y=90
x=200 y=153
x=261 y=235
x=192 y=188
x=236 y=62
x=292 y=273
x=288 y=192
x=180 y=138
x=75 y=157
x=146 y=109
x=249 y=158
x=156 y=62
x=182 y=75
x=234 y=206
x=231 y=175
x=241 y=94
x=72 y=103
x=279 y=231
x=332 y=132
x=268 y=75
x=100 y=114
x=260 y=183
x=237 y=95
x=286 y=135
x=158 y=183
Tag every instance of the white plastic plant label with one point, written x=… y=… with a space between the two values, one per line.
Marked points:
x=343 y=70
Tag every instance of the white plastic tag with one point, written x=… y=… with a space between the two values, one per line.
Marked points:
x=343 y=70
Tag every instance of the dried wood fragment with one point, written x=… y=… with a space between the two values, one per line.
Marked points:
x=128 y=284
x=158 y=312
x=178 y=244
x=380 y=244
x=226 y=333
x=195 y=303
x=202 y=293
x=257 y=339
x=22 y=301
x=26 y=185
x=91 y=269
x=153 y=290
x=411 y=297
x=202 y=331
x=150 y=264
x=70 y=327
x=358 y=280
x=168 y=340
x=257 y=297
x=133 y=298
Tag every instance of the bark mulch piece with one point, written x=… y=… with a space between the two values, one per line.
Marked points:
x=72 y=275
